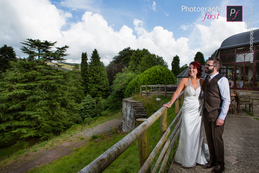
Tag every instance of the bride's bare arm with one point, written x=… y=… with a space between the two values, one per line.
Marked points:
x=182 y=84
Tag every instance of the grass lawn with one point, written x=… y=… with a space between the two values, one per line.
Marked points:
x=81 y=157
x=127 y=162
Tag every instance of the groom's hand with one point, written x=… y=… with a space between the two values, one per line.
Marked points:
x=219 y=122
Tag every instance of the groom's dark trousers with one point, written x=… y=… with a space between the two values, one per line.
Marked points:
x=212 y=104
x=214 y=136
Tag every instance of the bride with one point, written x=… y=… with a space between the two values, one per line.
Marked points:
x=191 y=148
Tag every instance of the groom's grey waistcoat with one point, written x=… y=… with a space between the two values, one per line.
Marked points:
x=212 y=98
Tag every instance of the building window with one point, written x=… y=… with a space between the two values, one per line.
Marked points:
x=244 y=57
x=239 y=76
x=223 y=59
x=223 y=71
x=241 y=68
x=230 y=76
x=248 y=75
x=231 y=58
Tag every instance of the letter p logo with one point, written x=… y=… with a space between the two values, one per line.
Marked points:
x=234 y=13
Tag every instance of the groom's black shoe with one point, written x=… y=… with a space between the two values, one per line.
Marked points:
x=218 y=169
x=209 y=164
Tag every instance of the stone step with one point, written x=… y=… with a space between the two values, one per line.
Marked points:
x=137 y=104
x=139 y=109
x=140 y=114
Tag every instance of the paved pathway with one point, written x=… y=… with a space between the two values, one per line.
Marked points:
x=241 y=139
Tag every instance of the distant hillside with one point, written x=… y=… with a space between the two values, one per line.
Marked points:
x=72 y=64
x=63 y=66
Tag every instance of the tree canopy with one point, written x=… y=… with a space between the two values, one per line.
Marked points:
x=141 y=60
x=98 y=83
x=6 y=54
x=199 y=58
x=176 y=65
x=42 y=50
x=124 y=57
x=37 y=100
x=120 y=83
x=112 y=69
x=84 y=72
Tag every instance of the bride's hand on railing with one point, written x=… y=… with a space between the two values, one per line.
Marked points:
x=167 y=105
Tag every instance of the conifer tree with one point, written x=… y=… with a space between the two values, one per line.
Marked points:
x=84 y=72
x=6 y=54
x=176 y=65
x=42 y=50
x=37 y=100
x=98 y=81
x=199 y=58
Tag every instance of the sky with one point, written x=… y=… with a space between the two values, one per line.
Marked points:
x=166 y=27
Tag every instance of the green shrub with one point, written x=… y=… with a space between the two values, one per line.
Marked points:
x=114 y=101
x=152 y=76
x=100 y=105
x=88 y=120
x=87 y=109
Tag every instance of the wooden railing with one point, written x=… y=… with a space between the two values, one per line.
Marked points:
x=157 y=89
x=140 y=133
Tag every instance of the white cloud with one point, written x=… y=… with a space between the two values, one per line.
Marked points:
x=162 y=43
x=154 y=6
x=94 y=33
x=184 y=27
x=211 y=36
x=81 y=4
x=22 y=19
x=39 y=19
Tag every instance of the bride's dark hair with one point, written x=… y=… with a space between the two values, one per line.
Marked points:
x=198 y=66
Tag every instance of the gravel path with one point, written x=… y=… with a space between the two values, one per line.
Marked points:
x=241 y=141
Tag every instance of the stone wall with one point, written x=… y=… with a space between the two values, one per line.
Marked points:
x=131 y=110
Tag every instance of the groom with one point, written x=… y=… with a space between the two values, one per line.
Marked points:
x=216 y=104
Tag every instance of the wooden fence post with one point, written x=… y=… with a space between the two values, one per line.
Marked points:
x=176 y=105
x=146 y=90
x=182 y=99
x=140 y=90
x=165 y=90
x=163 y=123
x=143 y=145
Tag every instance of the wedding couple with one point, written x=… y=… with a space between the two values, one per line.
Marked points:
x=211 y=112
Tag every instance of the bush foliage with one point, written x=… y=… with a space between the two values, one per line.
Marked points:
x=114 y=101
x=87 y=109
x=152 y=76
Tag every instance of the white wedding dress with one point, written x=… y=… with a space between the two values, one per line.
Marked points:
x=191 y=148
